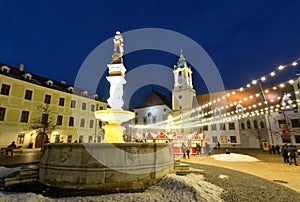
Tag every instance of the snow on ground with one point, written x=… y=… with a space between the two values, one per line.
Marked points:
x=234 y=157
x=172 y=188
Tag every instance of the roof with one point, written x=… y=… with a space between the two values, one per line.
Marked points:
x=19 y=73
x=155 y=98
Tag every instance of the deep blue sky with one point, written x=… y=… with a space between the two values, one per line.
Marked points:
x=245 y=39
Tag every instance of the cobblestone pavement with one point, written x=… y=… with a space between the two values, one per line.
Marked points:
x=269 y=166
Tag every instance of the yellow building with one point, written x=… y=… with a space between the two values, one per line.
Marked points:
x=69 y=111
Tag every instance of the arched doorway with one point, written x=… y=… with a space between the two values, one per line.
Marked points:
x=40 y=139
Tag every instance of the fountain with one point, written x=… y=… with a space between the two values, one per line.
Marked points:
x=113 y=165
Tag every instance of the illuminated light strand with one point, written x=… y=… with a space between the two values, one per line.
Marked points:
x=271 y=74
x=258 y=94
x=198 y=110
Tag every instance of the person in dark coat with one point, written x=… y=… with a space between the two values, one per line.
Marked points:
x=188 y=152
x=11 y=147
x=273 y=149
x=284 y=152
x=293 y=152
x=277 y=149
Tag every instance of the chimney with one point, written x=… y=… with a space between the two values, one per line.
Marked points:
x=20 y=67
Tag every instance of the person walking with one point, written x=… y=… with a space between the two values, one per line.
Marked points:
x=292 y=150
x=277 y=149
x=188 y=152
x=219 y=145
x=284 y=152
x=183 y=149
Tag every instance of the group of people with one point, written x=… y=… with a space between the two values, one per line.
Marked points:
x=289 y=154
x=185 y=150
x=274 y=149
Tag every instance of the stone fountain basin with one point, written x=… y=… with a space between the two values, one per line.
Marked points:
x=105 y=166
x=118 y=116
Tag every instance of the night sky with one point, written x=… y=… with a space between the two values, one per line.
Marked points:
x=245 y=39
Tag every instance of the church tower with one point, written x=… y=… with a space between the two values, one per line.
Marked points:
x=183 y=93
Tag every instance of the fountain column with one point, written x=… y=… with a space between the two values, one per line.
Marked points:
x=115 y=116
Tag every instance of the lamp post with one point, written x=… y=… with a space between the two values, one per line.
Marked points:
x=268 y=115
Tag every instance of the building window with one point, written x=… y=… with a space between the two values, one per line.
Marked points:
x=47 y=99
x=57 y=138
x=231 y=126
x=281 y=123
x=149 y=114
x=92 y=108
x=20 y=139
x=248 y=125
x=45 y=119
x=5 y=89
x=298 y=85
x=214 y=139
x=28 y=95
x=213 y=127
x=222 y=126
x=73 y=103
x=61 y=101
x=71 y=121
x=24 y=116
x=59 y=120
x=91 y=123
x=83 y=107
x=144 y=120
x=262 y=125
x=205 y=128
x=90 y=139
x=154 y=119
x=180 y=96
x=69 y=138
x=297 y=139
x=295 y=123
x=233 y=139
x=100 y=108
x=243 y=126
x=81 y=138
x=82 y=122
x=2 y=113
x=136 y=121
x=255 y=125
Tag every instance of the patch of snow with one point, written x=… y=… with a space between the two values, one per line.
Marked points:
x=172 y=188
x=234 y=157
x=223 y=176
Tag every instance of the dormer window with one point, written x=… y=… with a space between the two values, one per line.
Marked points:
x=27 y=76
x=49 y=83
x=70 y=89
x=5 y=69
x=95 y=96
x=85 y=93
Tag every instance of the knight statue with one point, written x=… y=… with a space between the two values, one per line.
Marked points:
x=117 y=56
